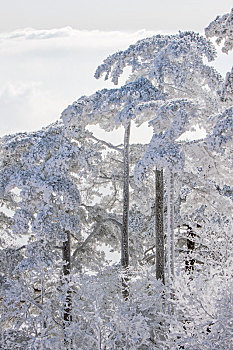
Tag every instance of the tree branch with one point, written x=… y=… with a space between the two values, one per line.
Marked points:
x=24 y=246
x=94 y=232
x=108 y=144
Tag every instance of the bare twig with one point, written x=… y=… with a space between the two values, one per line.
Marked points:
x=108 y=144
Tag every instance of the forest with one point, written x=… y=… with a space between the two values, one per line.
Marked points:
x=125 y=246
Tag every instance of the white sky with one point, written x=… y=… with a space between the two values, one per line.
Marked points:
x=47 y=67
x=111 y=14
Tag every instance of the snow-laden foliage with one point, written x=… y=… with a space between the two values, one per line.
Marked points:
x=175 y=65
x=172 y=119
x=114 y=107
x=221 y=28
x=205 y=322
x=41 y=177
x=165 y=59
x=226 y=91
x=222 y=135
x=106 y=321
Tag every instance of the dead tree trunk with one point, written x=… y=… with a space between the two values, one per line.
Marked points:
x=159 y=195
x=125 y=217
x=170 y=225
x=67 y=311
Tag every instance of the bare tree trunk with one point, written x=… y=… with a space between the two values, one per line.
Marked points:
x=125 y=219
x=160 y=243
x=170 y=224
x=67 y=313
x=159 y=195
x=170 y=238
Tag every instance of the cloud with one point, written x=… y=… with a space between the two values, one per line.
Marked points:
x=23 y=105
x=81 y=38
x=17 y=89
x=33 y=34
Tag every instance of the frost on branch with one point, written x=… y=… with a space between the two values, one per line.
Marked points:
x=222 y=135
x=172 y=119
x=40 y=166
x=161 y=153
x=222 y=29
x=226 y=92
x=112 y=108
x=166 y=59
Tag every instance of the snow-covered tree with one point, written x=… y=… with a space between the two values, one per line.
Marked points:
x=174 y=64
x=39 y=166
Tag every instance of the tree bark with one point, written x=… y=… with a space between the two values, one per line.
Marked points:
x=159 y=195
x=170 y=224
x=67 y=311
x=125 y=216
x=125 y=220
x=170 y=237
